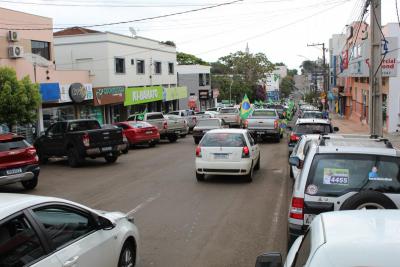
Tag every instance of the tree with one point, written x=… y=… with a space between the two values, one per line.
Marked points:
x=292 y=72
x=286 y=86
x=188 y=59
x=261 y=93
x=19 y=100
x=170 y=43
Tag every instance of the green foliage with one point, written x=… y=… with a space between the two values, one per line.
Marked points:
x=170 y=43
x=188 y=59
x=286 y=86
x=19 y=100
x=292 y=72
x=239 y=87
x=311 y=97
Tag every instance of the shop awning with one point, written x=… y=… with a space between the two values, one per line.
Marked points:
x=172 y=93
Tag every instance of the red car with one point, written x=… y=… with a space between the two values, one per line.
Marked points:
x=18 y=161
x=139 y=132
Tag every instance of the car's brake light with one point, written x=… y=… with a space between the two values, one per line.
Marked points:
x=246 y=152
x=296 y=209
x=165 y=125
x=32 y=152
x=294 y=137
x=276 y=123
x=86 y=140
x=198 y=152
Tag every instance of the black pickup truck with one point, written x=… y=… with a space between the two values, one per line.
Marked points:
x=78 y=139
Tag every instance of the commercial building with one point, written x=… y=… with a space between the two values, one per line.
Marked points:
x=336 y=45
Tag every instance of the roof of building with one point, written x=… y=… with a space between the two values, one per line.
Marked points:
x=74 y=31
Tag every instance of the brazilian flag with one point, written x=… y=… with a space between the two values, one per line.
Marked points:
x=245 y=109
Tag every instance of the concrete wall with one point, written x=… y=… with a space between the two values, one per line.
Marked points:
x=192 y=83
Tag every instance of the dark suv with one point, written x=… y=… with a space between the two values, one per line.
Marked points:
x=18 y=161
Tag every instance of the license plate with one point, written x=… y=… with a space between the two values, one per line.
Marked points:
x=308 y=218
x=14 y=171
x=107 y=148
x=221 y=156
x=261 y=132
x=177 y=132
x=149 y=132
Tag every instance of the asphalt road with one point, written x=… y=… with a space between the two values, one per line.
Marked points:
x=221 y=222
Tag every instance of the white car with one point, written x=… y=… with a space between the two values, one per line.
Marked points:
x=300 y=151
x=227 y=152
x=52 y=232
x=344 y=238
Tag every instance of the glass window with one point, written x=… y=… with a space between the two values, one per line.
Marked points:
x=205 y=123
x=157 y=67
x=338 y=174
x=15 y=143
x=170 y=68
x=304 y=251
x=52 y=115
x=223 y=140
x=174 y=113
x=201 y=80
x=264 y=113
x=156 y=116
x=63 y=225
x=315 y=115
x=54 y=129
x=119 y=65
x=251 y=140
x=313 y=128
x=140 y=66
x=41 y=48
x=207 y=78
x=77 y=126
x=229 y=110
x=19 y=244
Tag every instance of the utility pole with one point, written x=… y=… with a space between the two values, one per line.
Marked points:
x=375 y=71
x=324 y=70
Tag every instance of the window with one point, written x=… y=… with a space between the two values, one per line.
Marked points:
x=19 y=245
x=264 y=113
x=140 y=66
x=83 y=126
x=41 y=48
x=170 y=68
x=229 y=110
x=54 y=129
x=14 y=143
x=251 y=140
x=201 y=79
x=63 y=224
x=157 y=67
x=132 y=62
x=313 y=128
x=304 y=251
x=223 y=140
x=155 y=116
x=119 y=65
x=207 y=79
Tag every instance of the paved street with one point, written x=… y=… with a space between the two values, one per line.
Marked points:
x=222 y=222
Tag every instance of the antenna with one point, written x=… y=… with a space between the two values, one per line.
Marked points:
x=133 y=32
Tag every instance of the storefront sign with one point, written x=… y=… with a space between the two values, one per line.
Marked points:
x=75 y=92
x=108 y=95
x=173 y=93
x=139 y=95
x=203 y=94
x=49 y=92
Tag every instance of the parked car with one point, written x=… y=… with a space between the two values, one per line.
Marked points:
x=78 y=139
x=178 y=125
x=227 y=152
x=158 y=120
x=18 y=161
x=139 y=132
x=188 y=114
x=205 y=125
x=309 y=126
x=300 y=150
x=343 y=172
x=51 y=232
x=264 y=123
x=4 y=129
x=345 y=238
x=230 y=116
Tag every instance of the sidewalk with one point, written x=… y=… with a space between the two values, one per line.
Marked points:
x=350 y=126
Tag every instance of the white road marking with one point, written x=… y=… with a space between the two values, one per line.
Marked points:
x=142 y=205
x=272 y=234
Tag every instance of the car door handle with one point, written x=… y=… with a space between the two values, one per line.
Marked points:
x=71 y=262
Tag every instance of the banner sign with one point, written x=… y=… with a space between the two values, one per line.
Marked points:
x=140 y=95
x=78 y=91
x=108 y=95
x=172 y=93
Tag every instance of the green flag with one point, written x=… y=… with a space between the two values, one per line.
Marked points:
x=245 y=109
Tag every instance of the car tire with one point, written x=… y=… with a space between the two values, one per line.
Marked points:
x=257 y=166
x=172 y=138
x=369 y=200
x=200 y=177
x=111 y=158
x=74 y=160
x=249 y=177
x=152 y=144
x=127 y=256
x=42 y=159
x=30 y=184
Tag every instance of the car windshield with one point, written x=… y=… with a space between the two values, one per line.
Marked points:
x=205 y=123
x=223 y=140
x=337 y=174
x=173 y=113
x=263 y=113
x=317 y=115
x=228 y=110
x=312 y=128
x=11 y=144
x=83 y=126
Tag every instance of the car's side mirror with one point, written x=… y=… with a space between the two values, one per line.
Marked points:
x=105 y=223
x=295 y=161
x=272 y=259
x=336 y=129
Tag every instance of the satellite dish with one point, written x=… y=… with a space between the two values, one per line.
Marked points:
x=132 y=30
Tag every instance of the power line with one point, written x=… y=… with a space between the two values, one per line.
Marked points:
x=136 y=20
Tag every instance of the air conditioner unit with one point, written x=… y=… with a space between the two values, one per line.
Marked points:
x=15 y=51
x=12 y=36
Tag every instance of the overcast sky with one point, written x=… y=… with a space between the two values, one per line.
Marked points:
x=279 y=28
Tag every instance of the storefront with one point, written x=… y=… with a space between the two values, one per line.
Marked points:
x=139 y=99
x=111 y=101
x=172 y=96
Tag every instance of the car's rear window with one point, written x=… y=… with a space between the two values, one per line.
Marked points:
x=312 y=128
x=263 y=113
x=7 y=145
x=317 y=115
x=228 y=110
x=83 y=126
x=157 y=116
x=223 y=140
x=338 y=174
x=203 y=123
x=173 y=113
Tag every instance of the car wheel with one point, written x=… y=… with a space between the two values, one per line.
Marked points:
x=127 y=258
x=257 y=166
x=200 y=177
x=152 y=144
x=172 y=138
x=249 y=177
x=30 y=184
x=368 y=200
x=111 y=158
x=74 y=160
